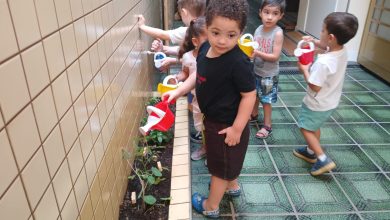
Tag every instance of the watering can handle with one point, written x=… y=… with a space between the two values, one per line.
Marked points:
x=311 y=44
x=167 y=78
x=244 y=36
x=157 y=111
x=159 y=53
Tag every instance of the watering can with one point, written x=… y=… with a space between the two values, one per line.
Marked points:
x=166 y=86
x=159 y=57
x=247 y=45
x=160 y=118
x=305 y=54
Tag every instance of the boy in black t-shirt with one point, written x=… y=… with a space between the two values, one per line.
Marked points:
x=226 y=94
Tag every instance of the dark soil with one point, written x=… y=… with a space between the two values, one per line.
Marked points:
x=160 y=209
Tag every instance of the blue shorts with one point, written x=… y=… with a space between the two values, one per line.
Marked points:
x=312 y=120
x=267 y=89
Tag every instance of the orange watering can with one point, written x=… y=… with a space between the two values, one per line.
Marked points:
x=247 y=44
x=160 y=118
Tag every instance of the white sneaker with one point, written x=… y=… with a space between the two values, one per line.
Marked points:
x=198 y=154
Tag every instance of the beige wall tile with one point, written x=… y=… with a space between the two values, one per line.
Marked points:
x=36 y=186
x=62 y=184
x=95 y=125
x=69 y=44
x=75 y=80
x=47 y=208
x=13 y=89
x=45 y=112
x=25 y=21
x=80 y=109
x=180 y=211
x=81 y=188
x=90 y=166
x=69 y=129
x=8 y=40
x=90 y=98
x=81 y=35
x=62 y=97
x=75 y=160
x=86 y=141
x=14 y=204
x=180 y=182
x=102 y=51
x=8 y=168
x=180 y=196
x=54 y=55
x=87 y=5
x=99 y=89
x=63 y=12
x=87 y=211
x=99 y=211
x=94 y=57
x=180 y=170
x=24 y=136
x=99 y=150
x=35 y=68
x=70 y=210
x=54 y=150
x=76 y=8
x=95 y=193
x=46 y=12
x=85 y=68
x=97 y=16
x=90 y=27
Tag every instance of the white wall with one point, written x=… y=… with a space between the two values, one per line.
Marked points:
x=312 y=12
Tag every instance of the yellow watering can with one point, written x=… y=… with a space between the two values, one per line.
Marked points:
x=247 y=45
x=167 y=84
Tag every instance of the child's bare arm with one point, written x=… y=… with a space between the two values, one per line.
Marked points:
x=184 y=88
x=233 y=133
x=316 y=42
x=276 y=51
x=151 y=31
x=306 y=74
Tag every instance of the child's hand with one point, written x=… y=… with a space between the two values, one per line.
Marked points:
x=166 y=63
x=157 y=45
x=232 y=136
x=308 y=38
x=302 y=67
x=170 y=95
x=141 y=20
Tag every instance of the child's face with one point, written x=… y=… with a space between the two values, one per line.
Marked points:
x=185 y=16
x=223 y=34
x=270 y=15
x=324 y=36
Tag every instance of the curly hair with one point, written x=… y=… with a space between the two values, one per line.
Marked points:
x=196 y=28
x=342 y=25
x=236 y=10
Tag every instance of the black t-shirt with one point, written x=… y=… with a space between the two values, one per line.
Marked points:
x=219 y=82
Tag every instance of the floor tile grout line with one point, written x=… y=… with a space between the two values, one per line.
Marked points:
x=346 y=195
x=365 y=153
x=370 y=90
x=281 y=181
x=290 y=174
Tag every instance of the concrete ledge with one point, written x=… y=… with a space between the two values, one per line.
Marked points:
x=180 y=207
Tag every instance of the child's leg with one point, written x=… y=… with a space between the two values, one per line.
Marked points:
x=217 y=190
x=267 y=108
x=198 y=124
x=233 y=184
x=313 y=140
x=255 y=111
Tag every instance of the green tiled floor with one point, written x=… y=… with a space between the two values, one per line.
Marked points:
x=277 y=185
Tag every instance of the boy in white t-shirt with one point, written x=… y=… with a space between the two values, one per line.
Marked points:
x=189 y=10
x=325 y=82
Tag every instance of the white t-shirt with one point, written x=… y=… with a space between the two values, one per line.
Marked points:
x=177 y=35
x=327 y=72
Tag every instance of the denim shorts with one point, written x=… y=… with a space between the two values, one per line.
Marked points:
x=224 y=161
x=312 y=120
x=267 y=89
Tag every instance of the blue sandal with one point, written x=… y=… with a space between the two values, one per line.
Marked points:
x=197 y=203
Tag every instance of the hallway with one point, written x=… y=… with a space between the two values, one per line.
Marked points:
x=277 y=185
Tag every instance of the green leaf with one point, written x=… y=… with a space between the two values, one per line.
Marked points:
x=149 y=199
x=151 y=179
x=166 y=199
x=160 y=139
x=131 y=177
x=156 y=172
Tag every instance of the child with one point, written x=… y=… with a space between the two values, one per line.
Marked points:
x=266 y=61
x=189 y=10
x=226 y=94
x=195 y=36
x=325 y=82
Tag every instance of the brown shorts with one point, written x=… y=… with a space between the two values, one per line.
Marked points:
x=223 y=161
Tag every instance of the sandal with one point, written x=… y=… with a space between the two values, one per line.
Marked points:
x=264 y=132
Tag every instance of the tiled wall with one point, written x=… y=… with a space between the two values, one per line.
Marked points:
x=73 y=79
